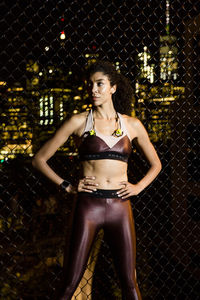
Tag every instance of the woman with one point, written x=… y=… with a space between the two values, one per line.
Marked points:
x=103 y=190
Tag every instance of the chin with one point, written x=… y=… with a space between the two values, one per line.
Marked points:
x=96 y=103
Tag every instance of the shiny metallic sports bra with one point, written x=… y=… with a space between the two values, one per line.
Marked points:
x=100 y=146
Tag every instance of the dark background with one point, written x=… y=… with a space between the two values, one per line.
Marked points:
x=35 y=216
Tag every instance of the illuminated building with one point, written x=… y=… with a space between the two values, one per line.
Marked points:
x=48 y=89
x=168 y=52
x=154 y=108
x=145 y=77
x=146 y=68
x=168 y=58
x=16 y=130
x=57 y=95
x=154 y=103
x=91 y=57
x=33 y=113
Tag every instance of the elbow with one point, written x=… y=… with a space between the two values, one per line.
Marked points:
x=35 y=161
x=159 y=166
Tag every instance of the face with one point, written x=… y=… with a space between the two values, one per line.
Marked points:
x=100 y=89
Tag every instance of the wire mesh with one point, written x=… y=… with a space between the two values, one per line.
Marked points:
x=46 y=45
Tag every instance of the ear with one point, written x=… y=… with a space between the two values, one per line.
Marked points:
x=113 y=88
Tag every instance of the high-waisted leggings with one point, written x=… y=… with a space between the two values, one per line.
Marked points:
x=103 y=209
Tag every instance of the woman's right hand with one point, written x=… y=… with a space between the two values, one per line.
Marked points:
x=87 y=184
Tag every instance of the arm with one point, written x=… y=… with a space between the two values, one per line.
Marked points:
x=51 y=146
x=150 y=154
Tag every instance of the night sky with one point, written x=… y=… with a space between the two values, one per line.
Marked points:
x=116 y=32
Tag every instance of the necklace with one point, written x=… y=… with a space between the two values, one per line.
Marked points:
x=117 y=133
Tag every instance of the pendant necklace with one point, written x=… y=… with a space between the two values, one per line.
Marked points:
x=117 y=133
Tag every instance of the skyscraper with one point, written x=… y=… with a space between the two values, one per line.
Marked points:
x=16 y=129
x=168 y=52
x=154 y=102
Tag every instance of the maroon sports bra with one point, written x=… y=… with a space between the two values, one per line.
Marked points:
x=101 y=146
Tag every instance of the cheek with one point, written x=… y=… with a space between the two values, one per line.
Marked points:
x=105 y=90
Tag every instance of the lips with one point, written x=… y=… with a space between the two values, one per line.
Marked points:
x=95 y=98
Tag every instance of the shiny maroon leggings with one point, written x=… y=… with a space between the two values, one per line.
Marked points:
x=103 y=209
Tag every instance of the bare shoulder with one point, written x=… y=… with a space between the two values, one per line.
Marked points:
x=133 y=121
x=77 y=121
x=134 y=125
x=79 y=118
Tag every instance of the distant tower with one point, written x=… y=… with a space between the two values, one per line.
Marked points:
x=62 y=32
x=144 y=81
x=145 y=68
x=168 y=52
x=154 y=102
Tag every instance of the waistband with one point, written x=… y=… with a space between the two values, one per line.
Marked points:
x=100 y=193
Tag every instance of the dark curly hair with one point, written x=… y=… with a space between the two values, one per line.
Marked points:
x=123 y=97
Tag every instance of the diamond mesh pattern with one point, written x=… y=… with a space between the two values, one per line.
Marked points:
x=45 y=47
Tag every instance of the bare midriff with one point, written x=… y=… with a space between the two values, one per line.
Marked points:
x=108 y=173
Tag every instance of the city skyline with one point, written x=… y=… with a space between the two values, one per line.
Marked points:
x=30 y=29
x=153 y=100
x=45 y=44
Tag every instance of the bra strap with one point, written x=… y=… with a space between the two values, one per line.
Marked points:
x=123 y=126
x=88 y=125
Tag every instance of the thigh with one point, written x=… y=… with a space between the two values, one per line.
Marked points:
x=86 y=223
x=82 y=235
x=120 y=235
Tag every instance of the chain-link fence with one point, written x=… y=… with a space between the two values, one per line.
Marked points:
x=46 y=45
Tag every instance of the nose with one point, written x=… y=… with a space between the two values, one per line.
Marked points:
x=94 y=88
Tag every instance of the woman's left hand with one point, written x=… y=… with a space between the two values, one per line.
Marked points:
x=129 y=189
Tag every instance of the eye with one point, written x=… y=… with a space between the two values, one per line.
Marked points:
x=100 y=83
